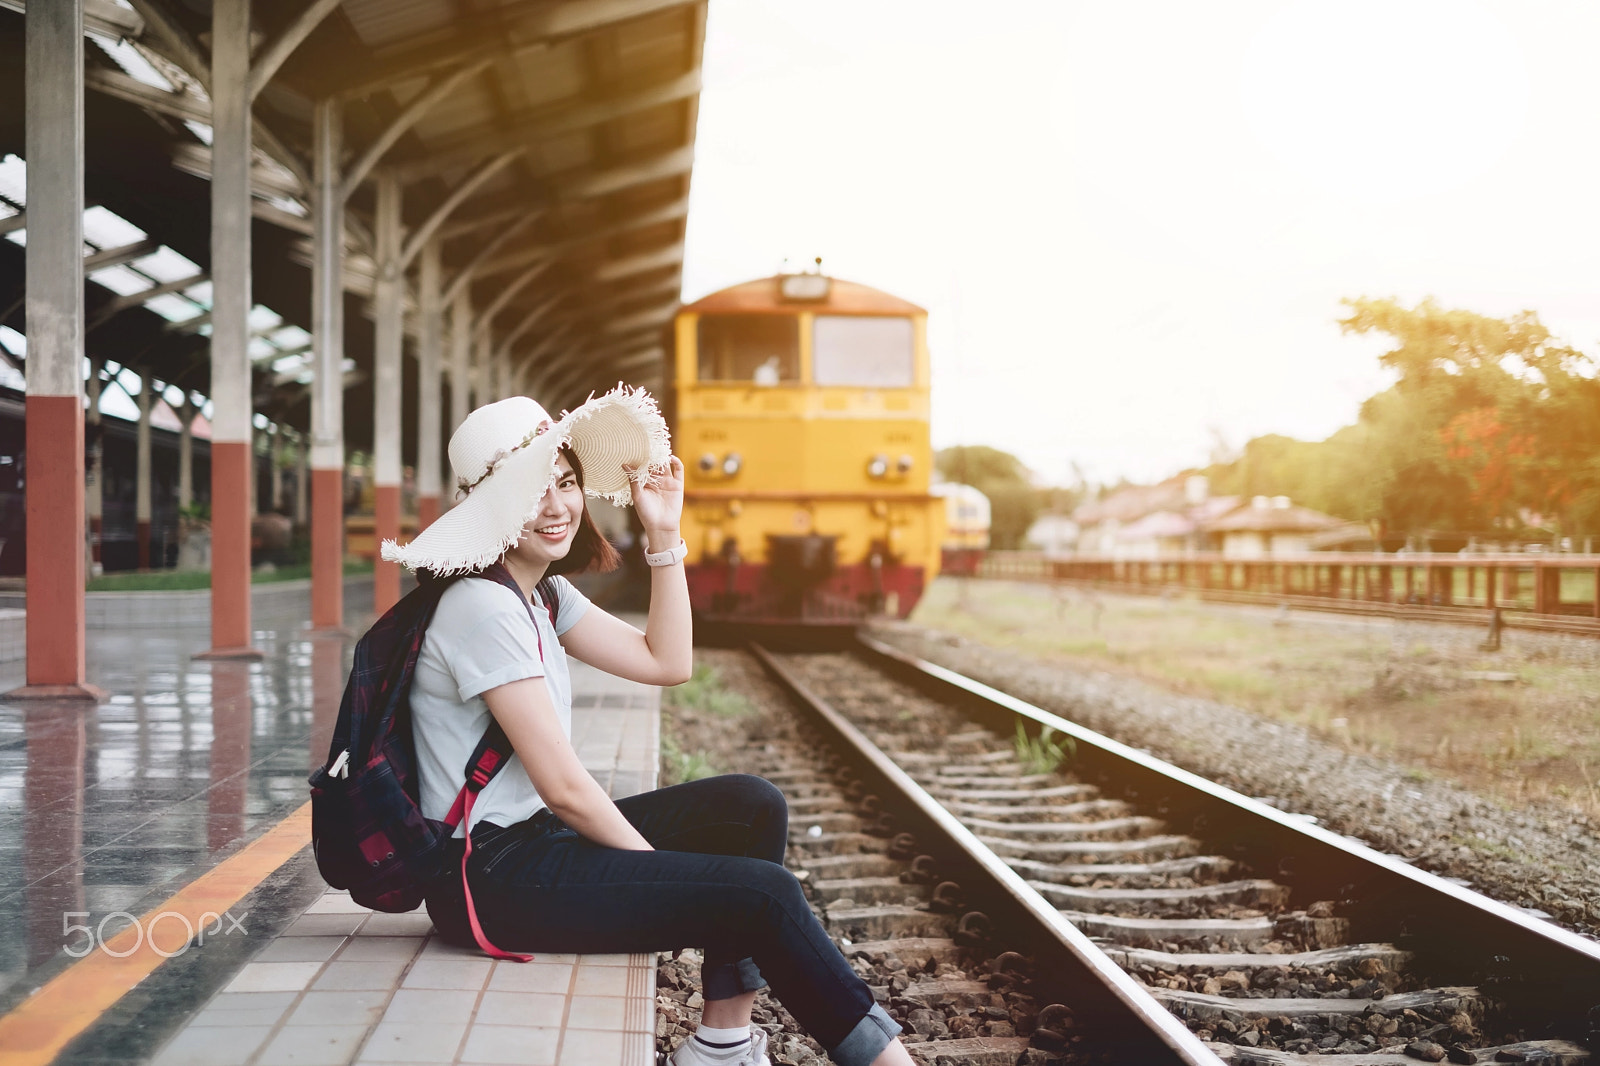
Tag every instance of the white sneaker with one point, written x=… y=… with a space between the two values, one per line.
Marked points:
x=689 y=1053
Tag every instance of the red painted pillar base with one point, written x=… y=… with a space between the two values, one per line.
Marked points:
x=230 y=552
x=327 y=549
x=386 y=526
x=142 y=537
x=427 y=511
x=55 y=524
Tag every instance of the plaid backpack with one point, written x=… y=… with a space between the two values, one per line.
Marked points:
x=367 y=827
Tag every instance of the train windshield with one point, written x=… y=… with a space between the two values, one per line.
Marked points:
x=864 y=351
x=764 y=349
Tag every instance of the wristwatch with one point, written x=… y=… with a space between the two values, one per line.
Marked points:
x=672 y=555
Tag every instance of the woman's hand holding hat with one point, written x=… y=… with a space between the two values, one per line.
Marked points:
x=658 y=498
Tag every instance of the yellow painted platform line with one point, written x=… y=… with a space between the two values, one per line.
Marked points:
x=36 y=1031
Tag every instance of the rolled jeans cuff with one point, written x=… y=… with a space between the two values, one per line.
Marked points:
x=725 y=980
x=867 y=1040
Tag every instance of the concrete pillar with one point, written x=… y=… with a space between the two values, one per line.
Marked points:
x=232 y=450
x=94 y=500
x=390 y=330
x=141 y=497
x=460 y=359
x=302 y=473
x=275 y=457
x=429 y=356
x=53 y=86
x=327 y=383
x=186 y=415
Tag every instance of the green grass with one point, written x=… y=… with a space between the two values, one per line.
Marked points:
x=182 y=580
x=704 y=691
x=1375 y=687
x=677 y=765
x=1044 y=753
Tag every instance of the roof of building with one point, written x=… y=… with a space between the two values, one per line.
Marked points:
x=1290 y=519
x=550 y=141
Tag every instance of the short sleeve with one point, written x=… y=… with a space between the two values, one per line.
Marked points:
x=499 y=650
x=571 y=605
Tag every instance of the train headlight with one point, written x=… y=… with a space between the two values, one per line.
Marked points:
x=878 y=466
x=903 y=465
x=708 y=463
x=732 y=464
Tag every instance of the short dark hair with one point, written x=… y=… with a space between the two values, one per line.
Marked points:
x=590 y=550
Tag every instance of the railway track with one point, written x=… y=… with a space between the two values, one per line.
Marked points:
x=1119 y=909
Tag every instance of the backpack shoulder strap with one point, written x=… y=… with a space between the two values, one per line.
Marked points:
x=546 y=588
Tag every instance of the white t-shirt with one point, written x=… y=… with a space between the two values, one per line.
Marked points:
x=481 y=638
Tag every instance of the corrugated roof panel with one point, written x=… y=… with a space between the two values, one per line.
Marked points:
x=469 y=108
x=565 y=152
x=659 y=38
x=551 y=76
x=383 y=22
x=659 y=128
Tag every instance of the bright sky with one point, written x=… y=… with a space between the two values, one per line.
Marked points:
x=1132 y=223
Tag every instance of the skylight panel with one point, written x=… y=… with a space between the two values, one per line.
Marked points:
x=166 y=266
x=120 y=280
x=133 y=64
x=118 y=404
x=291 y=337
x=174 y=397
x=12 y=378
x=289 y=362
x=201 y=130
x=104 y=228
x=14 y=179
x=289 y=206
x=172 y=307
x=263 y=319
x=18 y=236
x=7 y=211
x=261 y=348
x=14 y=342
x=200 y=294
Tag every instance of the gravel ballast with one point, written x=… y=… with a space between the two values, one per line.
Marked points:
x=1543 y=858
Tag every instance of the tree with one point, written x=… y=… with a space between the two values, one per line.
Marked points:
x=1013 y=501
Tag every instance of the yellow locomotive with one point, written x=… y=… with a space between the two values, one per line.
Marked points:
x=800 y=411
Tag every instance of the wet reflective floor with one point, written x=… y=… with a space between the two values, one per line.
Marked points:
x=106 y=810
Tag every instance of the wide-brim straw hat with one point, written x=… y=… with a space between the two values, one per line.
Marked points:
x=504 y=459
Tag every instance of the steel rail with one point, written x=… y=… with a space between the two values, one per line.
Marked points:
x=1535 y=965
x=1111 y=1005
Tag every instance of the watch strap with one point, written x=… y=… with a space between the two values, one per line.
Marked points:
x=675 y=554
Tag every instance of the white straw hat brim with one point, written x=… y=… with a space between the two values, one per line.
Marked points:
x=618 y=438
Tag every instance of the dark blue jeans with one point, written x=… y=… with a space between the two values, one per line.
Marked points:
x=716 y=881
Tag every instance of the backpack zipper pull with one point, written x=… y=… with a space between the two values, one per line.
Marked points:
x=341 y=765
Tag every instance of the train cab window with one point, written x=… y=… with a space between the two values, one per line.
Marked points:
x=759 y=349
x=864 y=351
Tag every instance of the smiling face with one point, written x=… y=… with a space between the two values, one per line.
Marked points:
x=548 y=535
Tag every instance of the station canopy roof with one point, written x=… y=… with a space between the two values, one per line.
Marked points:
x=560 y=132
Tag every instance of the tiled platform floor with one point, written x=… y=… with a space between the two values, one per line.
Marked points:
x=108 y=810
x=345 y=985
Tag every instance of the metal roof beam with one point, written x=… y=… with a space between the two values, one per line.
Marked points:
x=138 y=299
x=108 y=257
x=650 y=317
x=178 y=105
x=528 y=321
x=186 y=51
x=470 y=224
x=270 y=58
x=444 y=157
x=409 y=116
x=100 y=16
x=465 y=275
x=670 y=255
x=473 y=182
x=675 y=210
x=492 y=37
x=484 y=319
x=668 y=164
